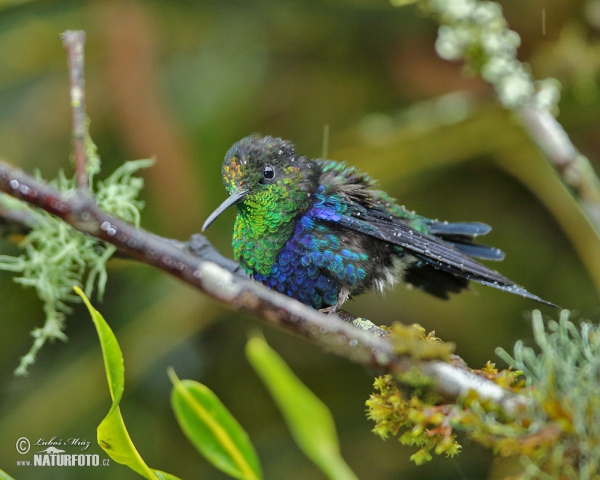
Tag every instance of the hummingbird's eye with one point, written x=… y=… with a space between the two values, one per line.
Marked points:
x=268 y=172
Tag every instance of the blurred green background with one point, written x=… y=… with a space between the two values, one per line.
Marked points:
x=183 y=80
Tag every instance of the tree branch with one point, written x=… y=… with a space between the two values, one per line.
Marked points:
x=464 y=34
x=74 y=42
x=574 y=168
x=219 y=278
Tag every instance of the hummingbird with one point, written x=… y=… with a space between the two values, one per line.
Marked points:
x=319 y=231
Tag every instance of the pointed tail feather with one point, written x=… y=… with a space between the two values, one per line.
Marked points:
x=438 y=253
x=492 y=279
x=475 y=250
x=466 y=229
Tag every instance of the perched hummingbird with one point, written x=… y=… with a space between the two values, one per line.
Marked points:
x=317 y=230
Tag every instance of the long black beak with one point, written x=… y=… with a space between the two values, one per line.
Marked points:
x=234 y=198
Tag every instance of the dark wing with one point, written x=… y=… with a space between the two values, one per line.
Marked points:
x=447 y=255
x=444 y=254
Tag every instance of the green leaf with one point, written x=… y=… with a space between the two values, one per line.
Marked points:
x=113 y=436
x=212 y=429
x=308 y=419
x=5 y=476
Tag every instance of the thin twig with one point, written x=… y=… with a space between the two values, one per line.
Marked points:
x=327 y=331
x=74 y=42
x=574 y=168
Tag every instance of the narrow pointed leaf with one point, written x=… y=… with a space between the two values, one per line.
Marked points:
x=308 y=419
x=212 y=429
x=113 y=436
x=5 y=476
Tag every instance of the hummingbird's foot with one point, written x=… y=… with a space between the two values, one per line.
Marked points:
x=342 y=297
x=329 y=310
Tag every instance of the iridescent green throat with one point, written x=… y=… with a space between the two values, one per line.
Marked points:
x=264 y=224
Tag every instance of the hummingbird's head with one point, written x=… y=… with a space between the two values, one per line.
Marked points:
x=265 y=173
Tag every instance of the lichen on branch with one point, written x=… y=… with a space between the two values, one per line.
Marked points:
x=56 y=256
x=557 y=433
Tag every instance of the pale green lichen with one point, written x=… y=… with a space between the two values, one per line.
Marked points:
x=412 y=341
x=477 y=32
x=55 y=256
x=563 y=379
x=557 y=433
x=418 y=422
